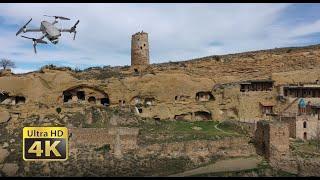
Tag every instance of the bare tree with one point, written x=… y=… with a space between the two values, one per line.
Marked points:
x=5 y=63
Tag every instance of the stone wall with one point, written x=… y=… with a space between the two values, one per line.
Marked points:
x=272 y=139
x=291 y=123
x=297 y=165
x=311 y=129
x=250 y=127
x=249 y=104
x=120 y=139
x=197 y=149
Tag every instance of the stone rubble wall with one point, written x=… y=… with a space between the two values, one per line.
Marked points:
x=195 y=149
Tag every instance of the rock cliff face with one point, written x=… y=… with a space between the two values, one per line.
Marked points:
x=203 y=89
x=163 y=83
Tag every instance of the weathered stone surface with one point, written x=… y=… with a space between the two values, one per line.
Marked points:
x=5 y=144
x=4 y=116
x=10 y=169
x=3 y=154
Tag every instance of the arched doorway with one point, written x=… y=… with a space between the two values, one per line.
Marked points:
x=81 y=95
x=304 y=124
x=105 y=101
x=67 y=96
x=20 y=100
x=305 y=136
x=202 y=115
x=92 y=100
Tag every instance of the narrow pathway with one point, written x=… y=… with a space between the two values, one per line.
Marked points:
x=228 y=165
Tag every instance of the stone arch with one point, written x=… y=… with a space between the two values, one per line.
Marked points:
x=105 y=101
x=92 y=99
x=304 y=124
x=20 y=100
x=202 y=115
x=204 y=96
x=305 y=136
x=136 y=100
x=149 y=101
x=67 y=96
x=81 y=95
x=183 y=117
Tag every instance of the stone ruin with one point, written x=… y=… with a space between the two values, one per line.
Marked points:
x=120 y=139
x=272 y=139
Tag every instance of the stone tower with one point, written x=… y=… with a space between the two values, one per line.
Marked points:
x=139 y=49
x=272 y=139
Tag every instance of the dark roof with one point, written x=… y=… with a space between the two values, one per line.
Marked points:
x=257 y=80
x=315 y=106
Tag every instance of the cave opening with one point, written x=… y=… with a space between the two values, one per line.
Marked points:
x=81 y=95
x=20 y=100
x=202 y=115
x=67 y=96
x=92 y=100
x=105 y=101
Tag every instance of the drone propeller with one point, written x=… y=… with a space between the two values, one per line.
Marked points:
x=73 y=29
x=58 y=17
x=23 y=27
x=34 y=42
x=74 y=35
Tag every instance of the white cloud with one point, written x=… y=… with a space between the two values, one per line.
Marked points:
x=21 y=71
x=176 y=31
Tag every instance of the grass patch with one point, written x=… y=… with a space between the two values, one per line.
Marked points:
x=306 y=149
x=175 y=131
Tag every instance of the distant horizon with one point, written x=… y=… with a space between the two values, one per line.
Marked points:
x=177 y=31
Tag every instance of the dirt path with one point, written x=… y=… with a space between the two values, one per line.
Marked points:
x=237 y=164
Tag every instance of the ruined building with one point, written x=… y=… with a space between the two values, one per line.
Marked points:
x=139 y=50
x=272 y=139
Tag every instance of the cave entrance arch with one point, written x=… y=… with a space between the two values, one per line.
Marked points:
x=204 y=96
x=92 y=100
x=105 y=101
x=20 y=100
x=305 y=136
x=81 y=95
x=202 y=115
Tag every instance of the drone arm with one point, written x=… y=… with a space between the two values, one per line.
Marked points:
x=66 y=30
x=32 y=30
x=54 y=22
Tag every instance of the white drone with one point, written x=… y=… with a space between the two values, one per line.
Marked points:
x=48 y=30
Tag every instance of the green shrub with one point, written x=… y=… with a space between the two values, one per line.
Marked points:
x=58 y=109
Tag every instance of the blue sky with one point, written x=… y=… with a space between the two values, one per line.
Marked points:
x=176 y=31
